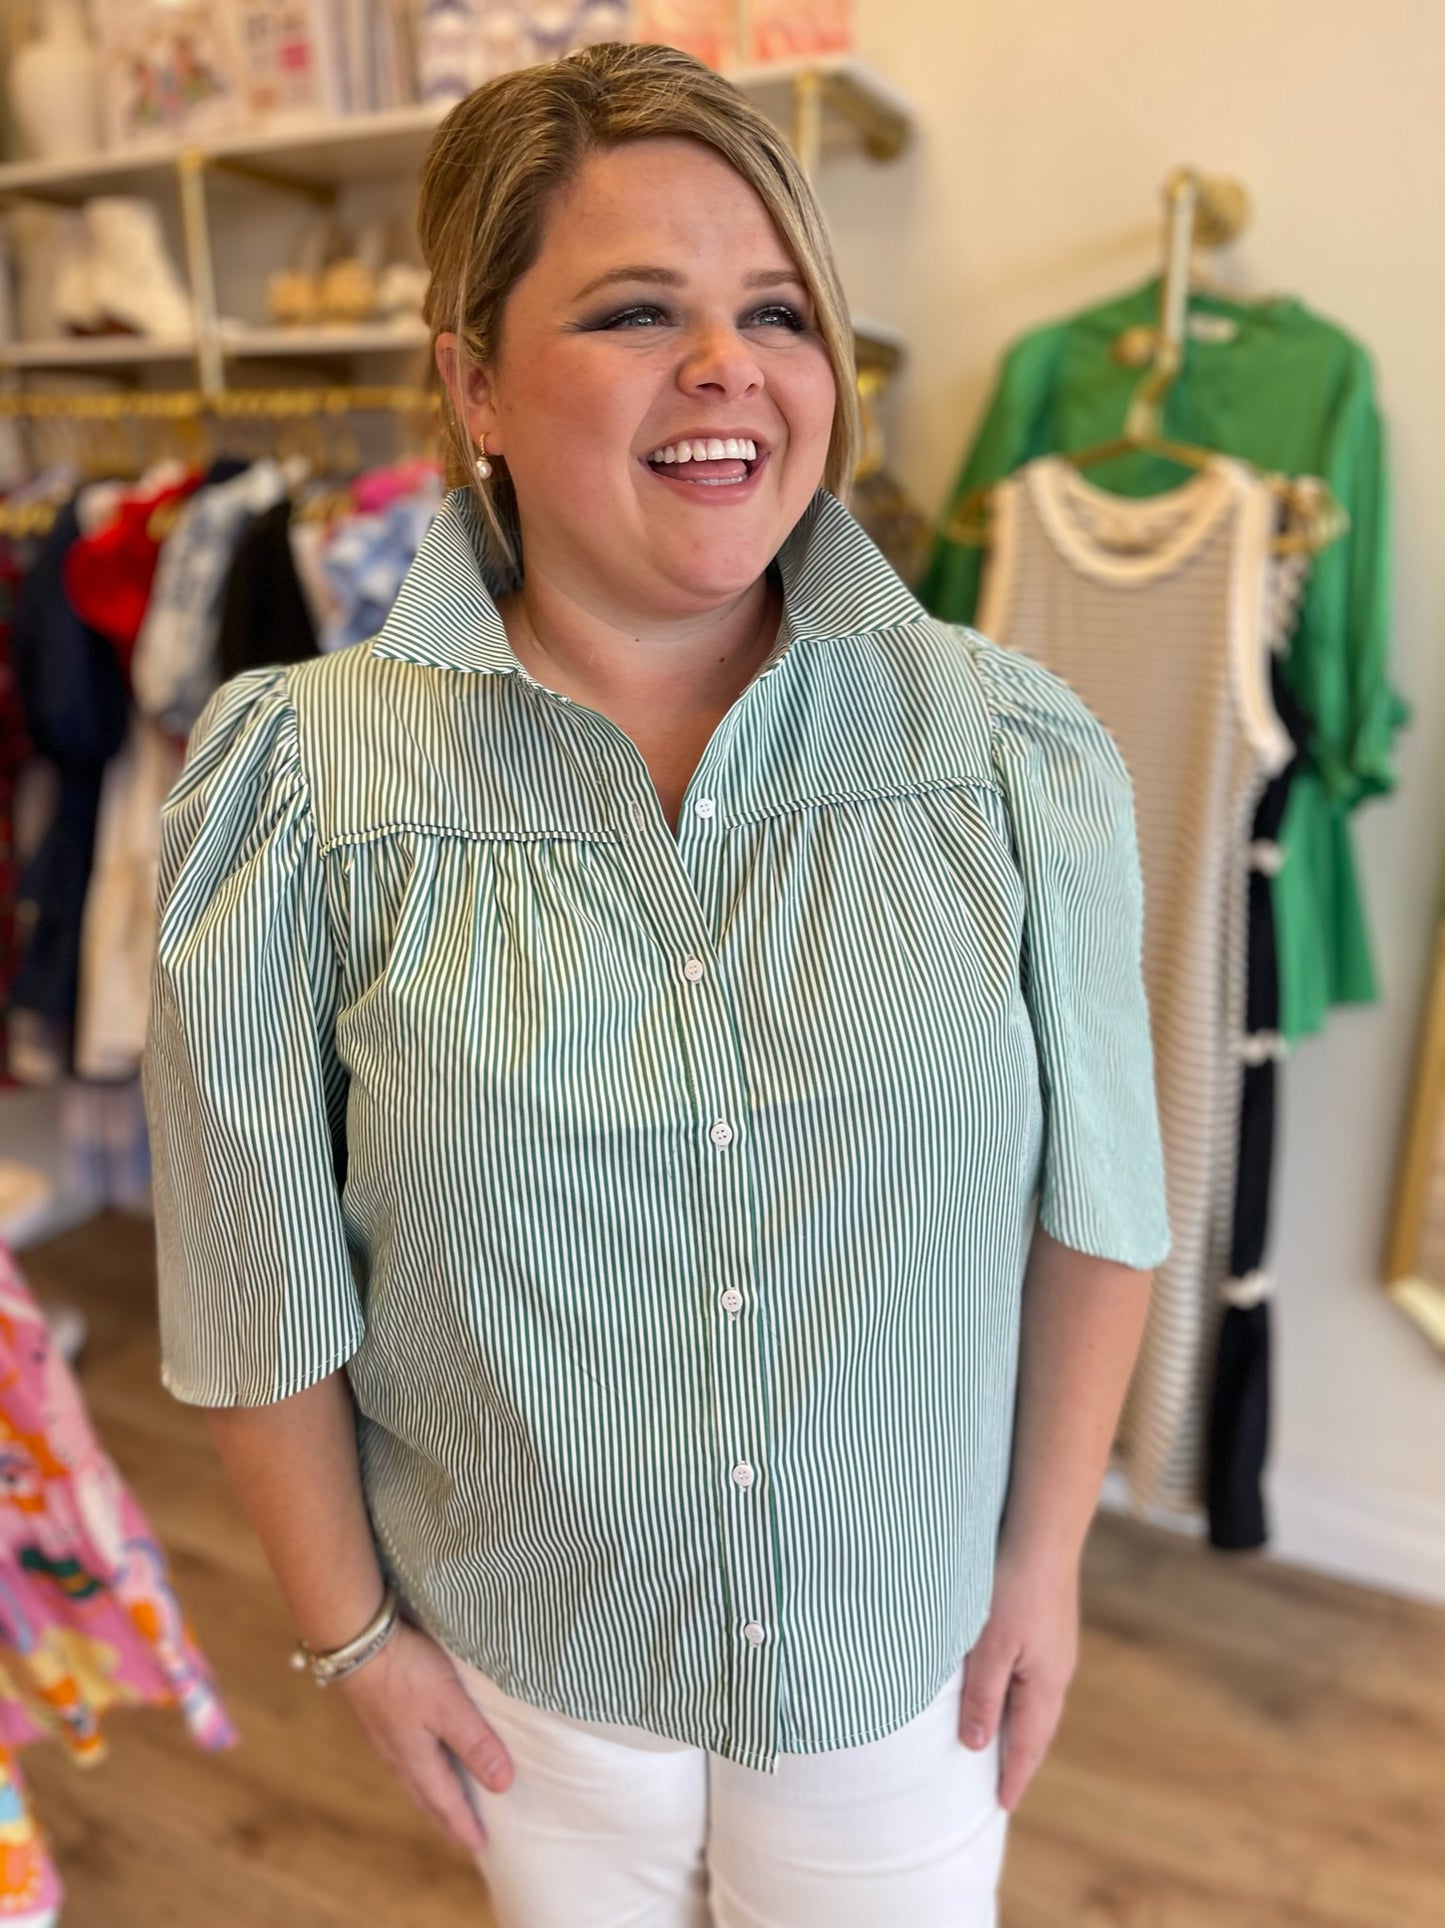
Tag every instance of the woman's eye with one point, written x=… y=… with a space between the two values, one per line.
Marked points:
x=778 y=314
x=644 y=316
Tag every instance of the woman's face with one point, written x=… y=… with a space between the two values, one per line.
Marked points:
x=662 y=313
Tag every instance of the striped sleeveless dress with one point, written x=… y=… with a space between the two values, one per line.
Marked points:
x=1161 y=614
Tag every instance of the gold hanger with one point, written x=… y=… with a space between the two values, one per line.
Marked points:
x=1198 y=211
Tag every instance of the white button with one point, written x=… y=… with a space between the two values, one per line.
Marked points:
x=743 y=1476
x=754 y=1634
x=693 y=969
x=639 y=815
x=732 y=1300
x=705 y=806
x=721 y=1133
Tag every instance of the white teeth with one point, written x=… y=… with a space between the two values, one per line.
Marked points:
x=733 y=448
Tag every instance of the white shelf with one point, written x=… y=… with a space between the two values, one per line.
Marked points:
x=367 y=146
x=94 y=351
x=331 y=153
x=822 y=104
x=319 y=152
x=348 y=338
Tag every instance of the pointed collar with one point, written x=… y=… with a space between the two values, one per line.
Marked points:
x=835 y=583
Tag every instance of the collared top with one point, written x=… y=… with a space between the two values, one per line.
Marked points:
x=665 y=1195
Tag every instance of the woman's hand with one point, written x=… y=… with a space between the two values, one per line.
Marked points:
x=1021 y=1665
x=417 y=1715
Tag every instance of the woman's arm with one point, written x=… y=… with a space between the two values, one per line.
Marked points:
x=294 y=1467
x=1083 y=1319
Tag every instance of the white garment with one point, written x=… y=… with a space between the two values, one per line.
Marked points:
x=1161 y=613
x=118 y=931
x=612 y=1827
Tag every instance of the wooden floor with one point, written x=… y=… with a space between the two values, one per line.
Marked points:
x=1245 y=1746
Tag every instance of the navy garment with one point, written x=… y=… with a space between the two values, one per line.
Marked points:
x=1239 y=1409
x=73 y=693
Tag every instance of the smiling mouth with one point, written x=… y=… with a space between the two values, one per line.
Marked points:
x=711 y=462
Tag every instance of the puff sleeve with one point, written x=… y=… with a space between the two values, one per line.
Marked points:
x=244 y=1093
x=1071 y=814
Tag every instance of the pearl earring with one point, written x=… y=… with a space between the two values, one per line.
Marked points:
x=484 y=467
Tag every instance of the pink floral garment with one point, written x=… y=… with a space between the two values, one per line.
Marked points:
x=88 y=1620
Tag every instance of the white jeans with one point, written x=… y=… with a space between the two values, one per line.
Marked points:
x=612 y=1827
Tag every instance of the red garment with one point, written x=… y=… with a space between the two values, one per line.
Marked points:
x=108 y=576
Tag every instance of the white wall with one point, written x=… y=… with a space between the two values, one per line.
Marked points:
x=1046 y=129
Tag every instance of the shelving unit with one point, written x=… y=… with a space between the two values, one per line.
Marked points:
x=232 y=208
x=95 y=351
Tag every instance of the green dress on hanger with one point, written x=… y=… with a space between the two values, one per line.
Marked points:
x=1287 y=391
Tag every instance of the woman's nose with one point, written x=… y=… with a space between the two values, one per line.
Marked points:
x=720 y=361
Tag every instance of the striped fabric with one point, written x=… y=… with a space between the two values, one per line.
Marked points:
x=1157 y=613
x=666 y=1197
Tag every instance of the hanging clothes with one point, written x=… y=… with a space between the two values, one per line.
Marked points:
x=265 y=618
x=1239 y=1417
x=73 y=694
x=88 y=1621
x=1159 y=614
x=369 y=554
x=1288 y=391
x=176 y=663
x=108 y=573
x=118 y=930
x=15 y=751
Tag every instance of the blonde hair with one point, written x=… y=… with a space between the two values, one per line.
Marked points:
x=501 y=154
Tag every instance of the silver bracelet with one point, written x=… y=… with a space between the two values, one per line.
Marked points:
x=342 y=1661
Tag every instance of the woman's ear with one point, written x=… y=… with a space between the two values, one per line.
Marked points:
x=470 y=389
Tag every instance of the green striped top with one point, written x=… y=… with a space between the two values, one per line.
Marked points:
x=665 y=1196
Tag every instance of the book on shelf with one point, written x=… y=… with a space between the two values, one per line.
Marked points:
x=169 y=71
x=795 y=29
x=461 y=43
x=707 y=29
x=288 y=58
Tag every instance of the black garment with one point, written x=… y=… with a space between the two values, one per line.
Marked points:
x=264 y=615
x=1239 y=1411
x=73 y=693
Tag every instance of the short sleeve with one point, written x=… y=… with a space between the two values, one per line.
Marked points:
x=1071 y=811
x=244 y=1094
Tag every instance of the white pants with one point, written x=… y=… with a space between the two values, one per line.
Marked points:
x=612 y=1827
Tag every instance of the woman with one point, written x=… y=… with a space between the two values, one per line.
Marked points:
x=609 y=1035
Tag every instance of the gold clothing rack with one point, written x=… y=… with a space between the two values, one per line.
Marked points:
x=182 y=405
x=316 y=421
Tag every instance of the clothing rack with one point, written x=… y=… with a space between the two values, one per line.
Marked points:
x=317 y=420
x=197 y=404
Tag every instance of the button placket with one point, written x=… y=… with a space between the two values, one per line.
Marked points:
x=738 y=1366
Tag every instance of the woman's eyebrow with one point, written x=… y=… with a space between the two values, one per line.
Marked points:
x=659 y=277
x=670 y=278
